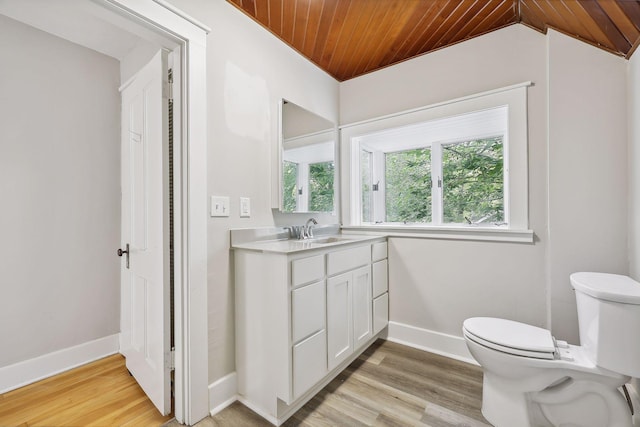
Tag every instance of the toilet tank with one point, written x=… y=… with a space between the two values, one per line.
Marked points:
x=609 y=320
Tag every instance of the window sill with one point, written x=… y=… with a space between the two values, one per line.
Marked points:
x=489 y=234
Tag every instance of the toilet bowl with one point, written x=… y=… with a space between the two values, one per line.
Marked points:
x=527 y=385
x=533 y=380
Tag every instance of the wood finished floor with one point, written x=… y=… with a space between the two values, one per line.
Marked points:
x=388 y=385
x=101 y=393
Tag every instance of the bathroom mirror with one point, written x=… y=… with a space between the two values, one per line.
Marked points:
x=307 y=161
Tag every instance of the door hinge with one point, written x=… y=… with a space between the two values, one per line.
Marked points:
x=167 y=90
x=170 y=360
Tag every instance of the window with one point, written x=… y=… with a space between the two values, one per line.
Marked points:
x=459 y=164
x=308 y=178
x=436 y=172
x=321 y=187
x=407 y=186
x=290 y=186
x=473 y=181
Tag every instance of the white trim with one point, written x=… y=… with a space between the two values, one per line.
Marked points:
x=434 y=342
x=41 y=367
x=438 y=104
x=223 y=393
x=485 y=234
x=183 y=15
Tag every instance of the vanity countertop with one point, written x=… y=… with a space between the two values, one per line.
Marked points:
x=287 y=246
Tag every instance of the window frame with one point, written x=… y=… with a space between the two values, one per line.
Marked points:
x=515 y=158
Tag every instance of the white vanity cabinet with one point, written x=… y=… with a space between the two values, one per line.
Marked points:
x=301 y=317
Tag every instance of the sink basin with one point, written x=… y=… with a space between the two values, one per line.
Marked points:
x=324 y=240
x=332 y=239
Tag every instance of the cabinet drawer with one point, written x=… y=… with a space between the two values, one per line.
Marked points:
x=307 y=310
x=309 y=363
x=380 y=278
x=380 y=312
x=348 y=259
x=307 y=270
x=378 y=251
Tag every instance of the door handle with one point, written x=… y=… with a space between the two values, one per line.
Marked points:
x=121 y=252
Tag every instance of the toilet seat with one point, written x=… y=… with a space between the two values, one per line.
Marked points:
x=507 y=336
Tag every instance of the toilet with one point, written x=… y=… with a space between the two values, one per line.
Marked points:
x=533 y=380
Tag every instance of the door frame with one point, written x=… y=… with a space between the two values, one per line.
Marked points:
x=186 y=38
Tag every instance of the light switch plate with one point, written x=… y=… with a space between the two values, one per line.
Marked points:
x=219 y=206
x=245 y=207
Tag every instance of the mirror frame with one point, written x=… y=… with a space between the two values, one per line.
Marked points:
x=278 y=157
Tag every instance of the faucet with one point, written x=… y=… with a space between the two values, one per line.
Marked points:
x=295 y=231
x=307 y=229
x=302 y=232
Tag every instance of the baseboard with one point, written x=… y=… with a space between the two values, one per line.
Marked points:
x=223 y=393
x=431 y=341
x=32 y=370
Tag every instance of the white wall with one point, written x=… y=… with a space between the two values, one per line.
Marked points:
x=436 y=284
x=249 y=71
x=587 y=170
x=60 y=192
x=634 y=164
x=577 y=180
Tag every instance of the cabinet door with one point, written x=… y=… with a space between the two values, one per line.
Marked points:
x=339 y=331
x=362 y=321
x=380 y=278
x=380 y=312
x=309 y=363
x=307 y=311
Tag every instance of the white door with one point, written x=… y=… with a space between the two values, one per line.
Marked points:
x=145 y=317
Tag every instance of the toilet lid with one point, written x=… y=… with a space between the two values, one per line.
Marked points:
x=510 y=337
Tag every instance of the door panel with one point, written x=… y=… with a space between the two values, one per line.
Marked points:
x=309 y=363
x=339 y=330
x=380 y=278
x=307 y=310
x=145 y=322
x=380 y=312
x=362 y=322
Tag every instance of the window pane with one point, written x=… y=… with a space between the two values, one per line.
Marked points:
x=408 y=186
x=321 y=187
x=290 y=186
x=366 y=166
x=473 y=181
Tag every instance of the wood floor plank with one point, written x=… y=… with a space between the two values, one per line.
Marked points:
x=437 y=416
x=437 y=392
x=342 y=409
x=101 y=393
x=388 y=385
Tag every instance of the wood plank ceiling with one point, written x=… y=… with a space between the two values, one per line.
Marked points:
x=348 y=38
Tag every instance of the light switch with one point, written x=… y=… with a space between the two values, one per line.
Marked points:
x=219 y=206
x=245 y=207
